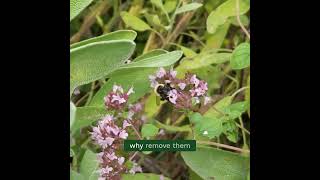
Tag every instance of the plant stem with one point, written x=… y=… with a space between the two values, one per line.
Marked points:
x=239 y=21
x=149 y=42
x=178 y=121
x=223 y=146
x=90 y=93
x=242 y=128
x=243 y=133
x=135 y=130
x=239 y=90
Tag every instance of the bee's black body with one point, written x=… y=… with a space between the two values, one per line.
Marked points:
x=163 y=90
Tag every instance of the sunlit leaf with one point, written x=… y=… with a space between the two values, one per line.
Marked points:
x=96 y=60
x=211 y=163
x=241 y=56
x=188 y=7
x=134 y=22
x=228 y=9
x=117 y=35
x=149 y=130
x=76 y=6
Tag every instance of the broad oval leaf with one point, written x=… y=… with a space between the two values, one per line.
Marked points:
x=142 y=176
x=76 y=6
x=228 y=9
x=154 y=20
x=212 y=163
x=204 y=59
x=76 y=176
x=152 y=53
x=157 y=61
x=89 y=164
x=96 y=60
x=117 y=35
x=87 y=115
x=217 y=109
x=134 y=22
x=236 y=109
x=170 y=5
x=188 y=7
x=240 y=58
x=209 y=127
x=149 y=130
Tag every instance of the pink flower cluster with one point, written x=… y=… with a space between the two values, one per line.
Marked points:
x=117 y=99
x=185 y=92
x=109 y=136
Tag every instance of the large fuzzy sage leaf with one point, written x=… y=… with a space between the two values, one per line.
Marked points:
x=76 y=6
x=212 y=163
x=136 y=74
x=96 y=60
x=89 y=165
x=117 y=35
x=87 y=115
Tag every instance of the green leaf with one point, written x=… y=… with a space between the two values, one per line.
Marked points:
x=223 y=12
x=240 y=58
x=185 y=128
x=217 y=109
x=209 y=127
x=87 y=115
x=152 y=53
x=202 y=60
x=142 y=176
x=216 y=40
x=236 y=109
x=76 y=6
x=72 y=113
x=188 y=7
x=170 y=5
x=156 y=61
x=243 y=18
x=134 y=22
x=195 y=117
x=117 y=35
x=154 y=20
x=149 y=130
x=211 y=163
x=231 y=131
x=193 y=175
x=159 y=4
x=96 y=60
x=76 y=176
x=89 y=164
x=133 y=77
x=189 y=53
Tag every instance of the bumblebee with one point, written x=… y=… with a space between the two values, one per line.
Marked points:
x=162 y=90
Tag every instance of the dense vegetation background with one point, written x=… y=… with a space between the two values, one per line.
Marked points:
x=213 y=36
